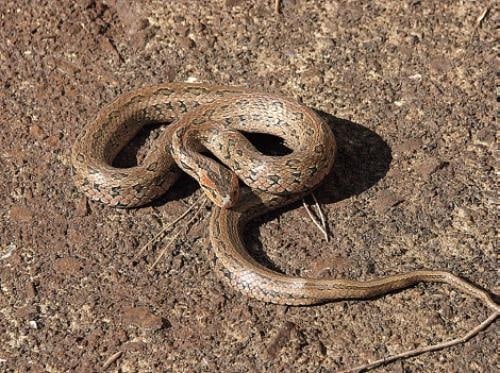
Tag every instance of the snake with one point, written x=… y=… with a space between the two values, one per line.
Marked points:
x=205 y=137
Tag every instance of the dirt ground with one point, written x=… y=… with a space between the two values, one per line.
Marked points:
x=409 y=90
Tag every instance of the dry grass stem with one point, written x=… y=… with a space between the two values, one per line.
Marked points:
x=417 y=351
x=277 y=6
x=321 y=225
x=172 y=239
x=482 y=17
x=156 y=237
x=321 y=215
x=111 y=360
x=164 y=251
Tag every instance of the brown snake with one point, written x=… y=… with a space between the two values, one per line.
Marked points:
x=212 y=118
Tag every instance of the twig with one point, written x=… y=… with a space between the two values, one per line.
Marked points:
x=167 y=227
x=480 y=19
x=421 y=350
x=111 y=360
x=277 y=6
x=177 y=234
x=321 y=215
x=321 y=226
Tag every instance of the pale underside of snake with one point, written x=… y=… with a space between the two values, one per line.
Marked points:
x=213 y=118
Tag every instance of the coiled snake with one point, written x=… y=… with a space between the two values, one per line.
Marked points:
x=212 y=118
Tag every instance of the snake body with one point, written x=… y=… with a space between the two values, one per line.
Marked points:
x=213 y=118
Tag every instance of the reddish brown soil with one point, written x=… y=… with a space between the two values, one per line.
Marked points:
x=408 y=87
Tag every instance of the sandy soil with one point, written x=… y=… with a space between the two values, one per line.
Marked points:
x=408 y=88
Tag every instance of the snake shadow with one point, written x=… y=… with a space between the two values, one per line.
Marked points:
x=362 y=158
x=133 y=153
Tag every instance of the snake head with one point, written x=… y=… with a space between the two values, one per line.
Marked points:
x=220 y=185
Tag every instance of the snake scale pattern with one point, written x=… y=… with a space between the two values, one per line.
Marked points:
x=213 y=118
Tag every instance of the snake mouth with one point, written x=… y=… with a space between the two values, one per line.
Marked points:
x=227 y=202
x=220 y=185
x=224 y=200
